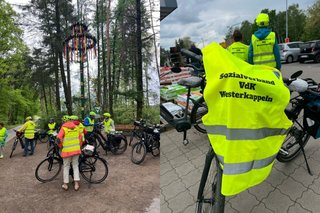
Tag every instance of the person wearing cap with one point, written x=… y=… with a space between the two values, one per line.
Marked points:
x=108 y=123
x=237 y=48
x=70 y=140
x=29 y=129
x=3 y=138
x=263 y=48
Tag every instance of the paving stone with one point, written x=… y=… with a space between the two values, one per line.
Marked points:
x=276 y=178
x=229 y=209
x=164 y=168
x=292 y=188
x=165 y=209
x=316 y=186
x=310 y=201
x=191 y=178
x=199 y=161
x=296 y=208
x=178 y=161
x=184 y=169
x=181 y=202
x=277 y=202
x=168 y=178
x=262 y=190
x=244 y=202
x=190 y=209
x=261 y=208
x=174 y=153
x=302 y=176
x=173 y=190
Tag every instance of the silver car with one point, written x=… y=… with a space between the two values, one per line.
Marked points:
x=289 y=52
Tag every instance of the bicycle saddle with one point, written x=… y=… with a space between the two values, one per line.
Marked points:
x=191 y=82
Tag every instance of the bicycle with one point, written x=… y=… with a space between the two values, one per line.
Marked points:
x=150 y=142
x=115 y=142
x=92 y=168
x=184 y=123
x=19 y=138
x=137 y=132
x=301 y=113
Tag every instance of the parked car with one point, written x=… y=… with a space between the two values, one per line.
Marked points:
x=310 y=51
x=289 y=52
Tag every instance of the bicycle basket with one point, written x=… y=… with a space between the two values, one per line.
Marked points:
x=88 y=150
x=311 y=118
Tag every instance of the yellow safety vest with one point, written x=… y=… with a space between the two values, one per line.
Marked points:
x=30 y=130
x=246 y=123
x=107 y=125
x=263 y=50
x=3 y=134
x=90 y=128
x=71 y=142
x=240 y=50
x=51 y=128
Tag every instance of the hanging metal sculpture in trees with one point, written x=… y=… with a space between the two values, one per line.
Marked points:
x=79 y=47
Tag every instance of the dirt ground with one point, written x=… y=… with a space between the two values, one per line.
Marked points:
x=128 y=187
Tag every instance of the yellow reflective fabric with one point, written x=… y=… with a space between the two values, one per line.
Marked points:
x=30 y=130
x=51 y=128
x=246 y=123
x=107 y=125
x=263 y=50
x=71 y=141
x=90 y=128
x=240 y=50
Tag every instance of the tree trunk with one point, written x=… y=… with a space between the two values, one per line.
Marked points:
x=139 y=62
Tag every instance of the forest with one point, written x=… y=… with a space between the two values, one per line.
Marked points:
x=49 y=79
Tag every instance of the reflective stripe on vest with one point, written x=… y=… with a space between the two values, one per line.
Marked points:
x=71 y=142
x=30 y=130
x=51 y=128
x=107 y=125
x=240 y=50
x=89 y=128
x=263 y=50
x=245 y=131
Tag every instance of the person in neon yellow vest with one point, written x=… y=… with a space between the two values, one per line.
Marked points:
x=108 y=123
x=3 y=138
x=264 y=49
x=28 y=128
x=237 y=48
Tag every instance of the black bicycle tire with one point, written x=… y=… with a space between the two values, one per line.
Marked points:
x=286 y=158
x=217 y=196
x=144 y=154
x=96 y=159
x=155 y=145
x=118 y=151
x=193 y=115
x=14 y=146
x=59 y=162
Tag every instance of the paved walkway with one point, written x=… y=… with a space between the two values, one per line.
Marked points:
x=289 y=187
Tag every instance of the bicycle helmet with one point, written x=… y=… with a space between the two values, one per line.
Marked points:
x=262 y=20
x=65 y=118
x=107 y=115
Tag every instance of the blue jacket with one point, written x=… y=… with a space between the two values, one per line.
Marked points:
x=261 y=33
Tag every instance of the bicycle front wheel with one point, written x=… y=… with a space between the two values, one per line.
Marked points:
x=210 y=199
x=48 y=169
x=138 y=153
x=199 y=109
x=93 y=169
x=14 y=145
